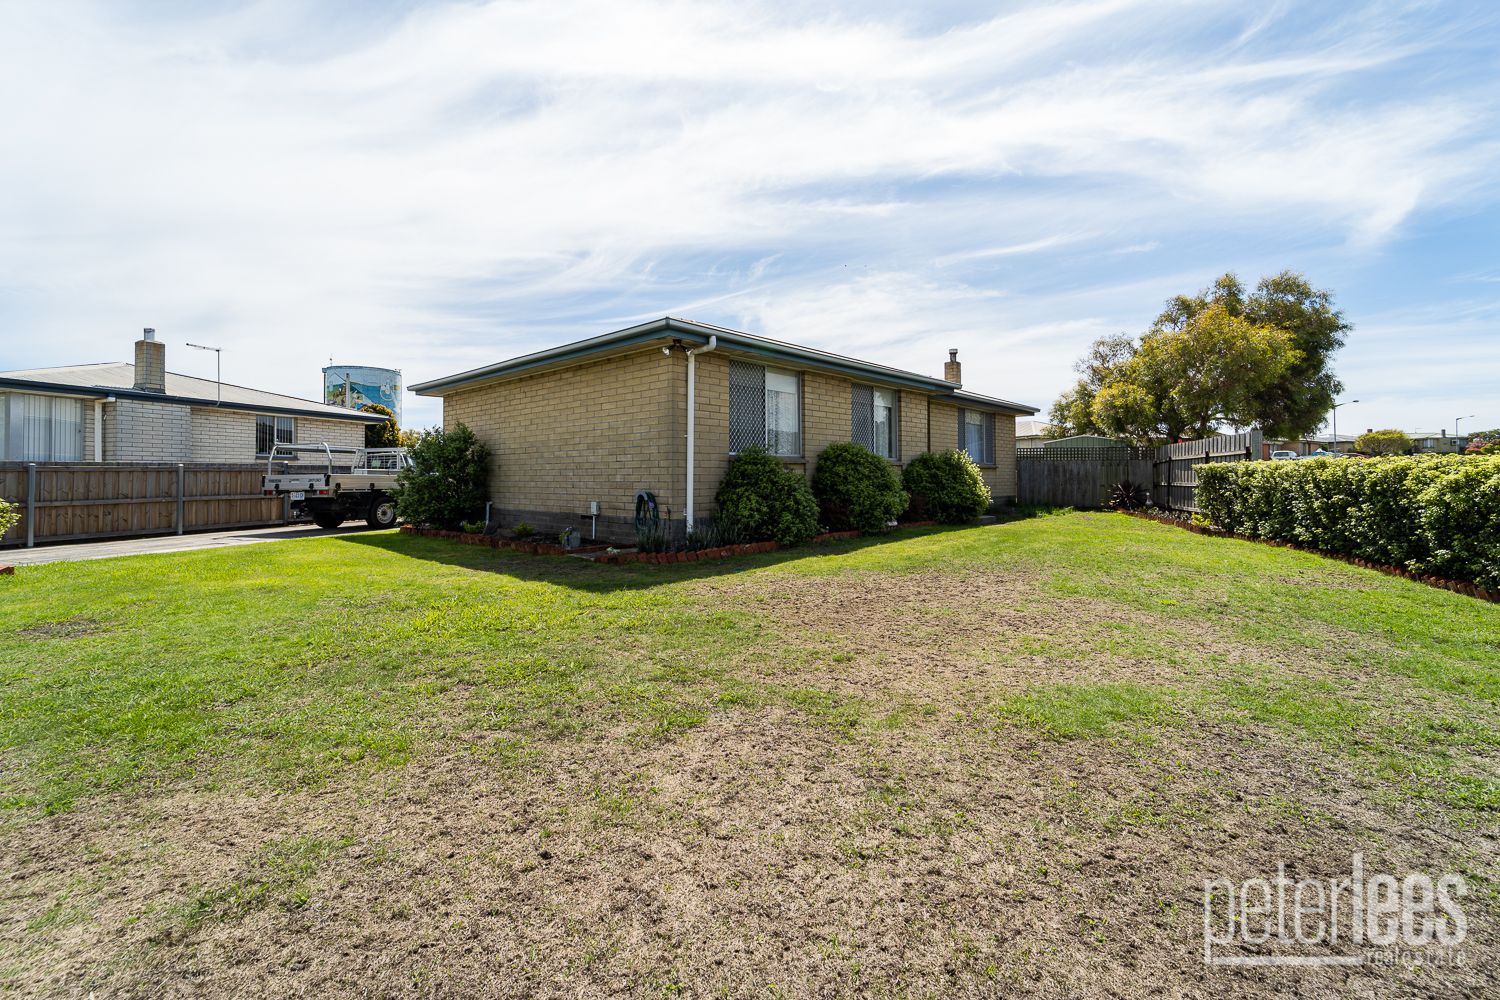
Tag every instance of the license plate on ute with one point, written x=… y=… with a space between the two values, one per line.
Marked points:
x=299 y=495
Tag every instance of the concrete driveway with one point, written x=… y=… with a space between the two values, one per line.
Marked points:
x=167 y=543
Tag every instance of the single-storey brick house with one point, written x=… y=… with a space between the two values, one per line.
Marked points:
x=119 y=412
x=662 y=406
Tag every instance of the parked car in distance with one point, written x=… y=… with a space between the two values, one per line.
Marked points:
x=1283 y=456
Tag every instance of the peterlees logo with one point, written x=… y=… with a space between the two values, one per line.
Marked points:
x=1355 y=920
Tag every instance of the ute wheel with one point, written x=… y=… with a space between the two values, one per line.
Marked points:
x=382 y=513
x=327 y=518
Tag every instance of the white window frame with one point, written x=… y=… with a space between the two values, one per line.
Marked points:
x=788 y=384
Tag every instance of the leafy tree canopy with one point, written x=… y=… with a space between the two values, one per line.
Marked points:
x=1386 y=442
x=1221 y=356
x=382 y=435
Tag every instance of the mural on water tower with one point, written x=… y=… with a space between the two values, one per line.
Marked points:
x=355 y=386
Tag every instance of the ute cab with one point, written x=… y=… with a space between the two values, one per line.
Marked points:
x=334 y=484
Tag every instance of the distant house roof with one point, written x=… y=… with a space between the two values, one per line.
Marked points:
x=118 y=379
x=696 y=333
x=1321 y=439
x=1032 y=428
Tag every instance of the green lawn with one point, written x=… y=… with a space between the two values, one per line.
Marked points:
x=951 y=760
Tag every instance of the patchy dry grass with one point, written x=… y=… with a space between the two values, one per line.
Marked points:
x=983 y=762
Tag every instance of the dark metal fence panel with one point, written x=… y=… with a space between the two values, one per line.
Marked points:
x=1174 y=481
x=1078 y=477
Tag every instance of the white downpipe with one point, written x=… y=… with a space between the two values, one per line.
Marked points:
x=692 y=423
x=99 y=429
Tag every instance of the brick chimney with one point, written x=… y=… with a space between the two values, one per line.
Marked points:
x=150 y=363
x=953 y=371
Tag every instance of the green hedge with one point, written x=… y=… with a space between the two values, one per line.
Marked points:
x=1431 y=514
x=856 y=489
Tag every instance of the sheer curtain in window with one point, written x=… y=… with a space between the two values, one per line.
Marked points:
x=884 y=431
x=783 y=414
x=45 y=428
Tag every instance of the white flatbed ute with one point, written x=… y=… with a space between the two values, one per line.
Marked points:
x=338 y=483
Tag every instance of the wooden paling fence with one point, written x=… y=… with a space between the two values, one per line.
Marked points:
x=1174 y=483
x=70 y=501
x=1078 y=477
x=1084 y=477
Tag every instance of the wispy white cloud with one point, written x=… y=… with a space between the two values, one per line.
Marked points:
x=436 y=187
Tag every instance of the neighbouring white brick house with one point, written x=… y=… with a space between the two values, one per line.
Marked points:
x=119 y=412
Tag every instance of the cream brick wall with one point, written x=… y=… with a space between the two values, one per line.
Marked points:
x=147 y=431
x=712 y=432
x=596 y=431
x=1002 y=478
x=221 y=435
x=87 y=451
x=825 y=413
x=912 y=414
x=942 y=426
x=345 y=433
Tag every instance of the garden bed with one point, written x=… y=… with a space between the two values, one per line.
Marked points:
x=496 y=542
x=602 y=553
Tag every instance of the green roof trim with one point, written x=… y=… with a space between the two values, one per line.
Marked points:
x=696 y=333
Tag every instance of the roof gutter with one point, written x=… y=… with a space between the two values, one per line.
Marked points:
x=109 y=393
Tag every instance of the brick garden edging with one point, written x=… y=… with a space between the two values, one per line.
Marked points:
x=618 y=558
x=1440 y=582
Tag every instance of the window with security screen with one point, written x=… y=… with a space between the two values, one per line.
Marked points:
x=872 y=419
x=765 y=409
x=270 y=431
x=976 y=434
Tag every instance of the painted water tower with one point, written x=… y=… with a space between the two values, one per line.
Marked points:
x=357 y=386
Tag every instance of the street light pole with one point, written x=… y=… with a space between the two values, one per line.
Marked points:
x=218 y=370
x=1456 y=438
x=1336 y=422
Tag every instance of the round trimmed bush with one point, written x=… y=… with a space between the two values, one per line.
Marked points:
x=946 y=486
x=766 y=501
x=856 y=489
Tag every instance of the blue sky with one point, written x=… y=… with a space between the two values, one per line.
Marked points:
x=432 y=187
